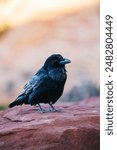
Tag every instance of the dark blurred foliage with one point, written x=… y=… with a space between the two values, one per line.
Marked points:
x=86 y=90
x=2 y=107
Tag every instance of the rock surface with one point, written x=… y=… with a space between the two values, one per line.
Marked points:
x=74 y=127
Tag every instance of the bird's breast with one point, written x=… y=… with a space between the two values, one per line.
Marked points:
x=58 y=75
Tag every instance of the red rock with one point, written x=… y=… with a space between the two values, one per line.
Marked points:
x=74 y=127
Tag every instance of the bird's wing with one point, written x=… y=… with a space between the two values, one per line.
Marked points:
x=43 y=91
x=36 y=81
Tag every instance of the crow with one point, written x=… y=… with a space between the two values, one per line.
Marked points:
x=47 y=85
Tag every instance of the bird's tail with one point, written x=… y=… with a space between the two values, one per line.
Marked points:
x=21 y=99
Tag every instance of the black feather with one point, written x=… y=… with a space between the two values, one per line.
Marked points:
x=47 y=85
x=21 y=99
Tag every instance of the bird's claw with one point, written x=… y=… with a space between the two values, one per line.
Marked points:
x=53 y=110
x=46 y=111
x=43 y=111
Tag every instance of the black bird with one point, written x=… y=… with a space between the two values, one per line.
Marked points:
x=47 y=85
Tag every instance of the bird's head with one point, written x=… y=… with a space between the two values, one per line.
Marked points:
x=56 y=61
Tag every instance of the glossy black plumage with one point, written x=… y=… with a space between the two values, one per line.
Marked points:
x=47 y=85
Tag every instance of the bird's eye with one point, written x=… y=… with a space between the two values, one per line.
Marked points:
x=55 y=62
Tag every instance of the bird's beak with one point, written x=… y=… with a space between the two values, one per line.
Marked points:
x=65 y=61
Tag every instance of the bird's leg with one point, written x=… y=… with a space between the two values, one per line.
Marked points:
x=41 y=110
x=40 y=107
x=53 y=109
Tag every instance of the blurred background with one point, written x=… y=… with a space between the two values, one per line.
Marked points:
x=31 y=30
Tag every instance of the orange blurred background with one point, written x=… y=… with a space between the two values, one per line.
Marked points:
x=30 y=31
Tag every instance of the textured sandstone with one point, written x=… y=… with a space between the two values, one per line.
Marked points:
x=74 y=127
